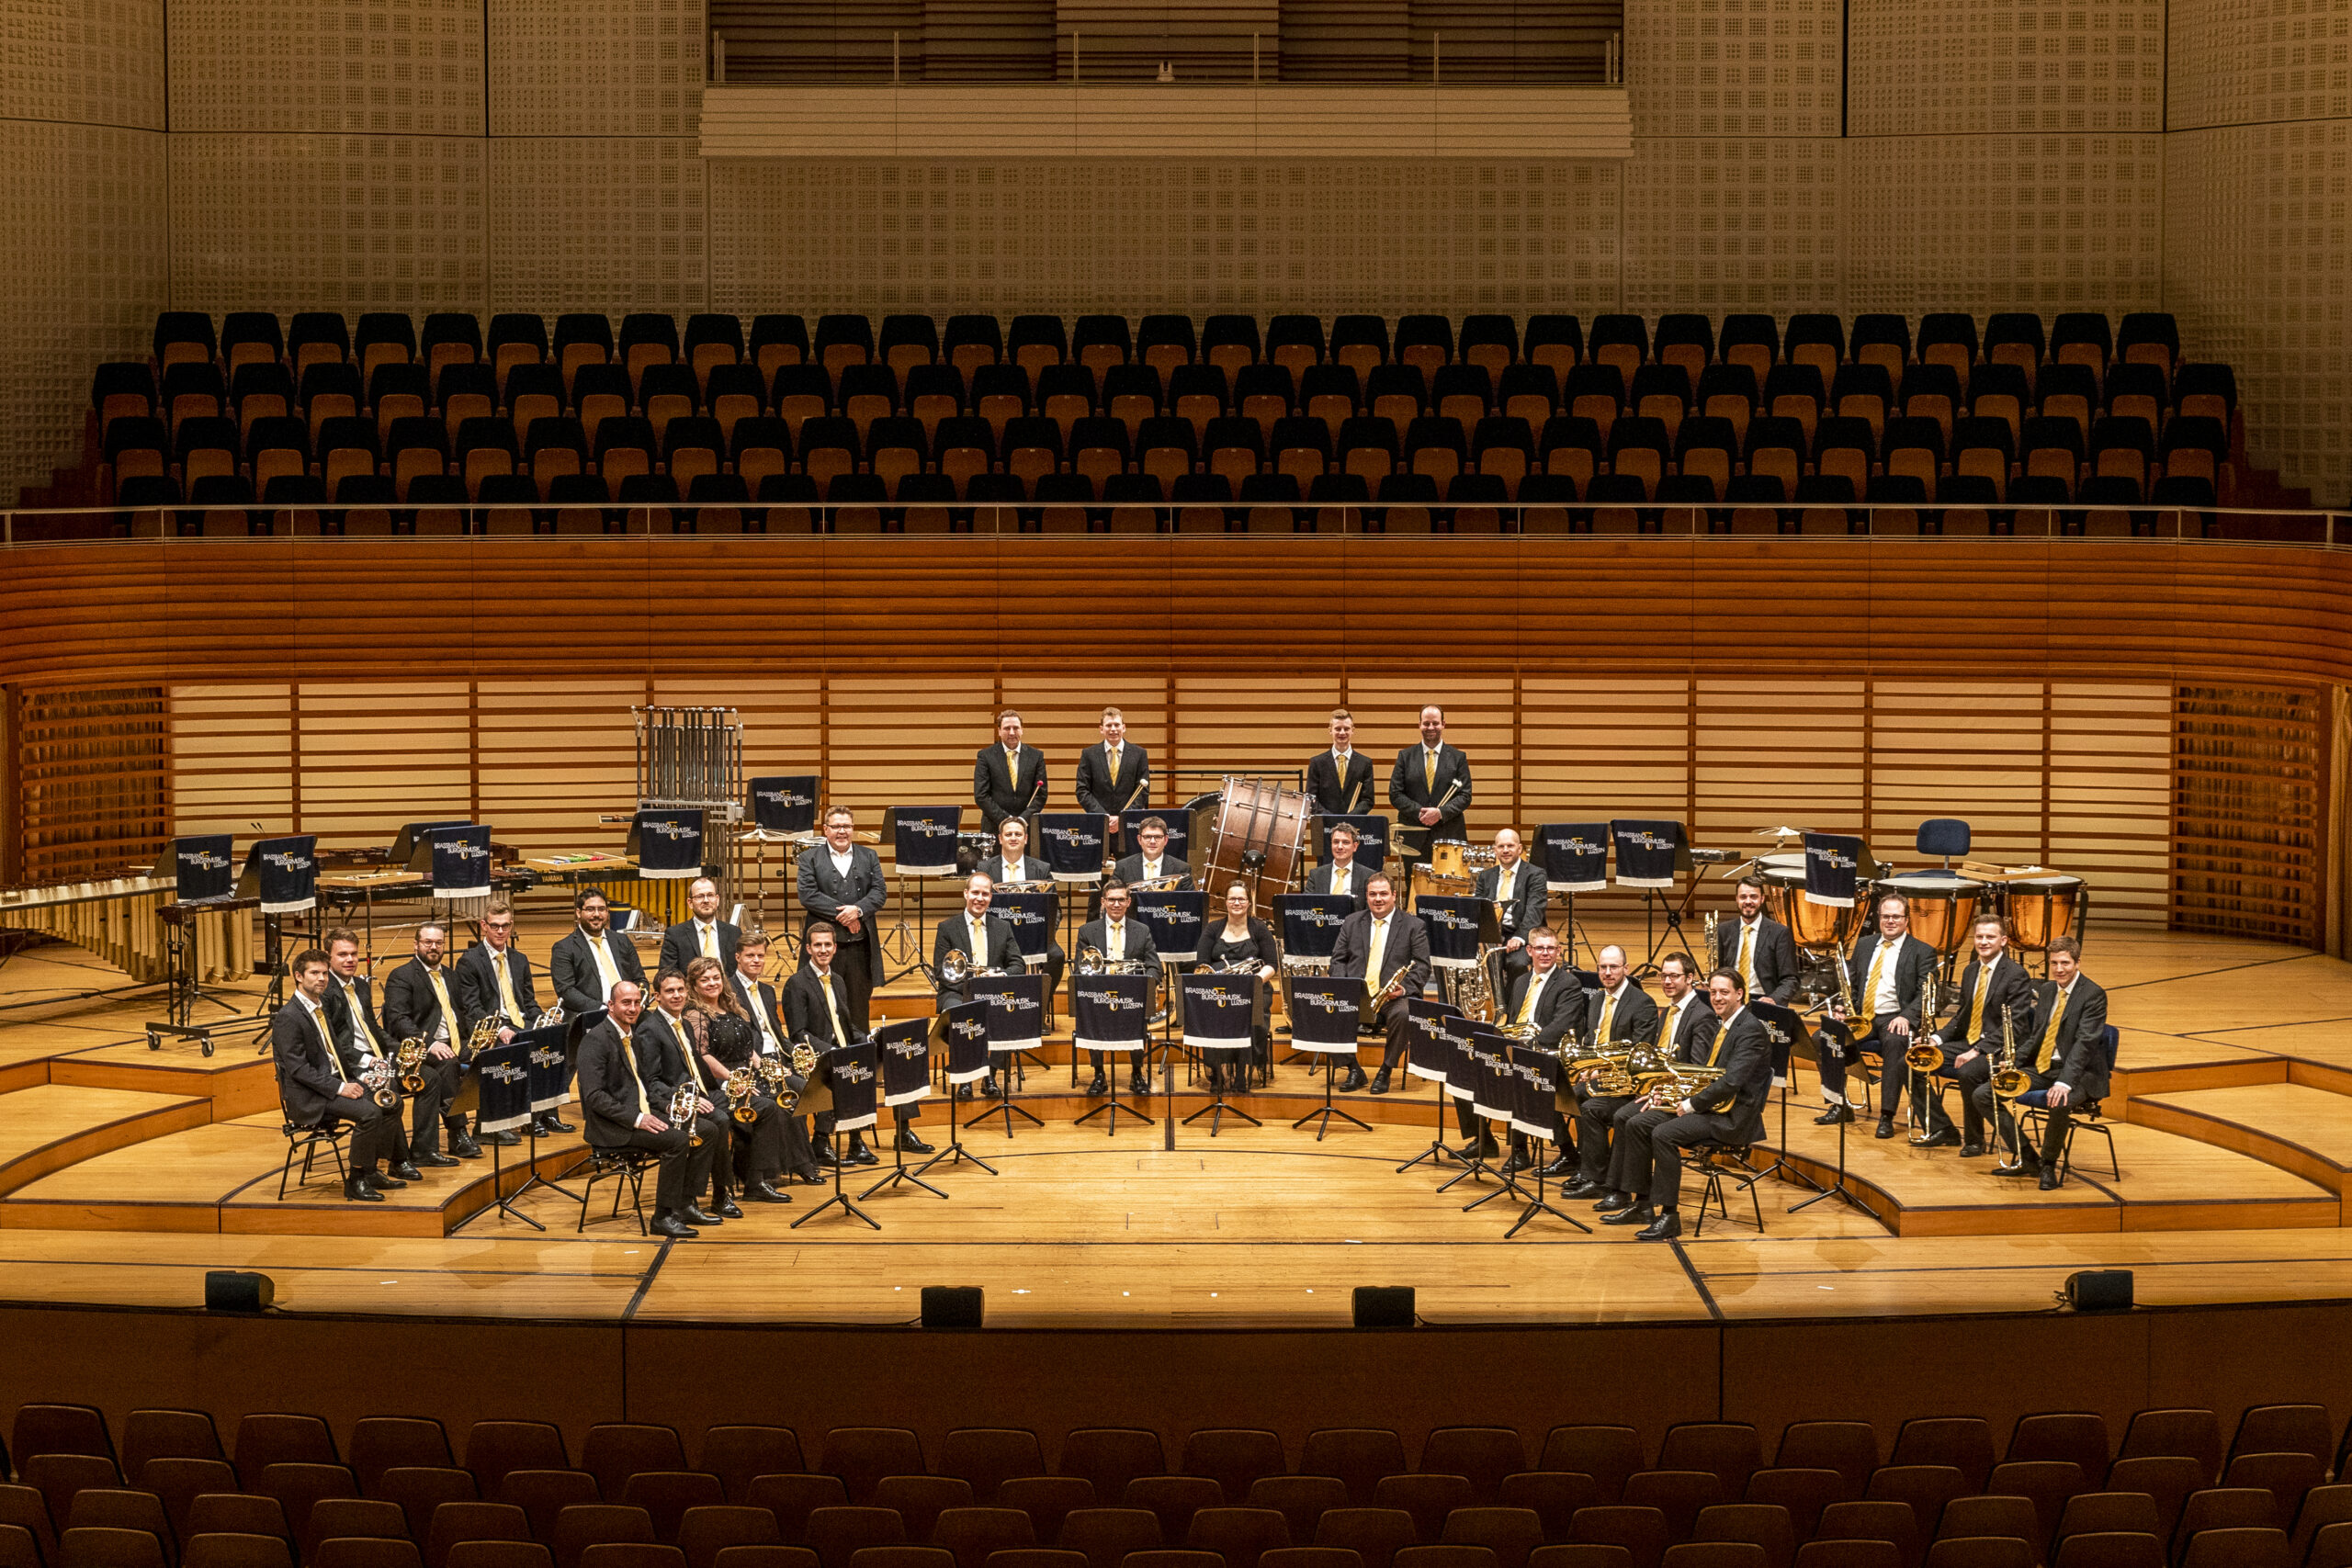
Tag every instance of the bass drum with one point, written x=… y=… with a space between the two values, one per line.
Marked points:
x=1259 y=835
x=1817 y=926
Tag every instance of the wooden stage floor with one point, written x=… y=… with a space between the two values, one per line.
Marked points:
x=125 y=1173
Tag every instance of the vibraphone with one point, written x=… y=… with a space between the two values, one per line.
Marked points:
x=122 y=921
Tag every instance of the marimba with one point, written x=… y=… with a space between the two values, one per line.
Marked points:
x=123 y=919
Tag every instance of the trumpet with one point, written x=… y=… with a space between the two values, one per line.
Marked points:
x=376 y=1076
x=740 y=1087
x=682 y=1113
x=410 y=1055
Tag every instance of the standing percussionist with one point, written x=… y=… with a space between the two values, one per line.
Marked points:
x=627 y=1107
x=1887 y=973
x=1522 y=901
x=418 y=1006
x=1377 y=944
x=767 y=1013
x=1008 y=778
x=1730 y=1110
x=703 y=936
x=1758 y=947
x=1685 y=1033
x=1114 y=778
x=494 y=981
x=1430 y=788
x=312 y=1086
x=842 y=889
x=351 y=1014
x=2064 y=1052
x=1547 y=999
x=1341 y=779
x=592 y=958
x=1012 y=862
x=1994 y=986
x=1117 y=938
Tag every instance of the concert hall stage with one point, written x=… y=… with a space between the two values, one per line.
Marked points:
x=125 y=1173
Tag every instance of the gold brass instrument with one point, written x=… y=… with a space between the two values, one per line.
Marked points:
x=1157 y=885
x=376 y=1076
x=955 y=969
x=1709 y=923
x=484 y=1035
x=1032 y=885
x=1239 y=964
x=548 y=1017
x=1091 y=962
x=2010 y=1080
x=1924 y=1055
x=1517 y=1033
x=409 y=1056
x=1657 y=1076
x=740 y=1086
x=682 y=1113
x=1395 y=987
x=1610 y=1071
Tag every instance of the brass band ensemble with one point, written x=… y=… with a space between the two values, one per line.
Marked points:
x=1904 y=988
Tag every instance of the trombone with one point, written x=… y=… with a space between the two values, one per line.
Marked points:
x=1925 y=1056
x=2009 y=1081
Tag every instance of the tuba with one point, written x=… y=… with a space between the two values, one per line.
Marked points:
x=682 y=1113
x=410 y=1057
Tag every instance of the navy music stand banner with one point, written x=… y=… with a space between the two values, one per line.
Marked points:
x=1492 y=1094
x=1785 y=1030
x=1014 y=1008
x=1832 y=863
x=1647 y=852
x=1323 y=1014
x=1219 y=1010
x=461 y=861
x=1113 y=1012
x=903 y=1047
x=964 y=1030
x=1575 y=855
x=1032 y=917
x=408 y=844
x=1538 y=1112
x=667 y=843
x=924 y=838
x=503 y=1073
x=549 y=1054
x=784 y=803
x=1372 y=837
x=203 y=869
x=284 y=873
x=1311 y=922
x=853 y=1071
x=1072 y=844
x=1456 y=927
x=1434 y=1051
x=1174 y=921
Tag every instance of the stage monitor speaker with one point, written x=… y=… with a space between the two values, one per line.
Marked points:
x=232 y=1290
x=951 y=1306
x=2098 y=1290
x=1384 y=1306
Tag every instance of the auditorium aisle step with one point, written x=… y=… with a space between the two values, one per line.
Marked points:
x=2300 y=1128
x=50 y=1127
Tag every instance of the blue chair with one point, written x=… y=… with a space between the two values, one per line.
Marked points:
x=1945 y=836
x=2087 y=1113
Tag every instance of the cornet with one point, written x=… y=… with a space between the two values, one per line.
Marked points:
x=740 y=1086
x=376 y=1076
x=1395 y=987
x=682 y=1113
x=410 y=1057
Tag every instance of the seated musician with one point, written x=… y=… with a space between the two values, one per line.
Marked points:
x=1729 y=1109
x=1522 y=901
x=1758 y=946
x=1151 y=861
x=1606 y=1167
x=1242 y=935
x=1429 y=787
x=418 y=1004
x=767 y=1013
x=358 y=1038
x=1547 y=998
x=592 y=958
x=725 y=1039
x=1013 y=862
x=986 y=943
x=1118 y=939
x=816 y=1009
x=494 y=981
x=663 y=1030
x=1341 y=779
x=1341 y=876
x=703 y=936
x=627 y=1105
x=1887 y=973
x=1113 y=778
x=2063 y=1049
x=1994 y=985
x=1380 y=944
x=1008 y=778
x=311 y=1085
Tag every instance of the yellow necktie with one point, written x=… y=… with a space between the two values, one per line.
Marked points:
x=1746 y=958
x=825 y=984
x=1717 y=1050
x=1115 y=936
x=441 y=995
x=1976 y=1008
x=2049 y=1035
x=318 y=1023
x=1428 y=773
x=1608 y=1012
x=507 y=989
x=1372 y=955
x=1527 y=1003
x=628 y=1054
x=709 y=939
x=1870 y=988
x=606 y=971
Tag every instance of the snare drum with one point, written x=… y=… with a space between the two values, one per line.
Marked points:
x=1813 y=925
x=1449 y=859
x=2044 y=908
x=1943 y=906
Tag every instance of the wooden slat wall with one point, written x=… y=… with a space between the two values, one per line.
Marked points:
x=2248 y=797
x=91 y=765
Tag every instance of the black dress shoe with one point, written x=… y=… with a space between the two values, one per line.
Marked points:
x=1579 y=1188
x=1352 y=1082
x=1942 y=1138
x=963 y=1091
x=809 y=1177
x=1379 y=1081
x=2014 y=1167
x=434 y=1156
x=1667 y=1226
x=465 y=1147
x=506 y=1139
x=357 y=1190
x=380 y=1181
x=1519 y=1160
x=2049 y=1179
x=1885 y=1127
x=1139 y=1088
x=407 y=1172
x=1630 y=1215
x=994 y=1089
x=909 y=1143
x=694 y=1216
x=1562 y=1169
x=1099 y=1087
x=557 y=1123
x=1615 y=1203
x=674 y=1227
x=859 y=1155
x=1835 y=1115
x=1972 y=1151
x=760 y=1192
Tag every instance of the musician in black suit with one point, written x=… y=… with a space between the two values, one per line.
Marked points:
x=351 y=1014
x=1151 y=862
x=1341 y=779
x=1341 y=877
x=419 y=1004
x=314 y=1089
x=1375 y=944
x=626 y=1100
x=1013 y=862
x=1729 y=1109
x=986 y=943
x=1429 y=787
x=766 y=1012
x=1114 y=778
x=2062 y=1048
x=1117 y=937
x=1758 y=946
x=705 y=935
x=1522 y=902
x=593 y=958
x=816 y=1009
x=842 y=889
x=1605 y=1169
x=1888 y=975
x=1623 y=1012
x=667 y=1049
x=1994 y=985
x=1008 y=778
x=493 y=980
x=1548 y=999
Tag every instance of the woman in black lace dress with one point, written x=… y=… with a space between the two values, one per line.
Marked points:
x=1242 y=935
x=726 y=1040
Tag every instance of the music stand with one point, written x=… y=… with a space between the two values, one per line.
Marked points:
x=1014 y=1026
x=458 y=859
x=1032 y=917
x=1535 y=1113
x=1837 y=1189
x=1174 y=921
x=963 y=1029
x=903 y=1049
x=844 y=1082
x=667 y=842
x=203 y=874
x=1649 y=852
x=1070 y=843
x=922 y=840
x=1491 y=1091
x=503 y=1073
x=1576 y=859
x=1310 y=926
x=283 y=874
x=1434 y=1055
x=1219 y=1010
x=1112 y=1012
x=1458 y=928
x=1323 y=1014
x=1787 y=1031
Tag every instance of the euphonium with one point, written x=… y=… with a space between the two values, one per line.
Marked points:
x=1090 y=960
x=740 y=1087
x=1607 y=1068
x=411 y=1056
x=1474 y=992
x=682 y=1113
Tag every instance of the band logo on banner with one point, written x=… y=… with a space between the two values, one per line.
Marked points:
x=503 y=1073
x=1031 y=916
x=1494 y=1090
x=461 y=861
x=1113 y=1013
x=1785 y=1030
x=203 y=868
x=1174 y=921
x=1832 y=862
x=1645 y=851
x=784 y=803
x=667 y=844
x=1073 y=844
x=1456 y=926
x=849 y=1070
x=1372 y=837
x=284 y=873
x=1575 y=855
x=550 y=1064
x=1323 y=1014
x=1433 y=1054
x=1218 y=1011
x=1014 y=1009
x=1452 y=1036
x=904 y=1048
x=964 y=1028
x=1311 y=922
x=1538 y=1112
x=924 y=838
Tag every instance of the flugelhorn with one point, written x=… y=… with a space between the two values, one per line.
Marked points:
x=1395 y=987
x=740 y=1086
